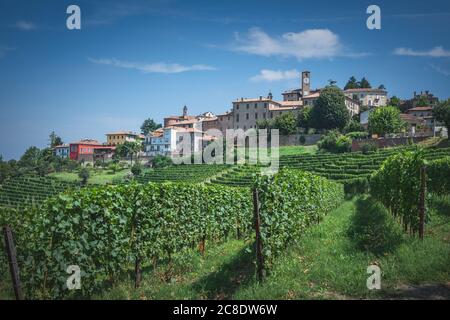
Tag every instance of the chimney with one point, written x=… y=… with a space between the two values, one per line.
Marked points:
x=260 y=98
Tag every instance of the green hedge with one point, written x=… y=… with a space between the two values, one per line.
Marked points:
x=291 y=201
x=104 y=229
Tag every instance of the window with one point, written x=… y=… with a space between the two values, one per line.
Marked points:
x=264 y=115
x=246 y=116
x=256 y=105
x=248 y=105
x=271 y=115
x=237 y=118
x=256 y=115
x=265 y=104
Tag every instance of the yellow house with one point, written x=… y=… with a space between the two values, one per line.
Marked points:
x=119 y=137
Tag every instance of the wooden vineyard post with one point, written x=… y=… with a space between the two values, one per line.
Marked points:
x=137 y=273
x=423 y=190
x=12 y=259
x=259 y=256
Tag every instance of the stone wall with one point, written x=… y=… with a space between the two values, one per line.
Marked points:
x=386 y=142
x=294 y=139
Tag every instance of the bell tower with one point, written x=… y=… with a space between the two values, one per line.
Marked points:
x=306 y=82
x=185 y=112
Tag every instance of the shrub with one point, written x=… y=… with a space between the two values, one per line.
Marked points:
x=373 y=229
x=136 y=169
x=161 y=161
x=84 y=176
x=302 y=139
x=357 y=135
x=353 y=126
x=368 y=147
x=334 y=142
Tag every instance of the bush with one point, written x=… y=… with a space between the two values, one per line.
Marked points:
x=335 y=142
x=84 y=176
x=373 y=229
x=136 y=169
x=368 y=147
x=357 y=135
x=302 y=140
x=161 y=161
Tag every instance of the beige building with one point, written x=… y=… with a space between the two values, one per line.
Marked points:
x=119 y=137
x=368 y=97
x=246 y=112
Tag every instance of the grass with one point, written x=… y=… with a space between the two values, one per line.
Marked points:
x=97 y=176
x=328 y=263
x=293 y=150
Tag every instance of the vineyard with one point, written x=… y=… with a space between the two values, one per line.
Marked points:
x=186 y=173
x=30 y=190
x=166 y=214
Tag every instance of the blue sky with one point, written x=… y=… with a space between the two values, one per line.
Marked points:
x=137 y=59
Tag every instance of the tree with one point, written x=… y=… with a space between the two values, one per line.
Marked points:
x=395 y=101
x=55 y=140
x=381 y=87
x=385 y=120
x=264 y=124
x=353 y=126
x=128 y=149
x=329 y=111
x=149 y=125
x=84 y=176
x=364 y=84
x=286 y=123
x=304 y=118
x=422 y=102
x=351 y=83
x=442 y=114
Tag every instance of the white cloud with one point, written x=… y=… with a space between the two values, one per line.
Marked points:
x=160 y=67
x=276 y=75
x=436 y=52
x=440 y=70
x=312 y=43
x=25 y=25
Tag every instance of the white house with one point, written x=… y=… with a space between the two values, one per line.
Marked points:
x=368 y=97
x=173 y=140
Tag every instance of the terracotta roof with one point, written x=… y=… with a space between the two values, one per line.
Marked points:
x=88 y=142
x=271 y=108
x=312 y=95
x=254 y=100
x=122 y=132
x=410 y=118
x=428 y=108
x=365 y=90
x=210 y=119
x=61 y=146
x=290 y=103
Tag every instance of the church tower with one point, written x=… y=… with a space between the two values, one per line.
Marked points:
x=185 y=112
x=306 y=83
